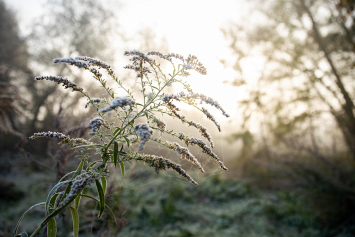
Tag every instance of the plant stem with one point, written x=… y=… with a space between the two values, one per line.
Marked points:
x=143 y=109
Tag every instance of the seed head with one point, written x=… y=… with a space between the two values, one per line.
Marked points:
x=66 y=83
x=118 y=102
x=160 y=163
x=95 y=125
x=144 y=132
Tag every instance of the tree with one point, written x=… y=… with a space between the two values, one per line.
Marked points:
x=13 y=68
x=308 y=50
x=303 y=97
x=68 y=28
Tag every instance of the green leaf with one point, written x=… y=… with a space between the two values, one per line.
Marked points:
x=104 y=158
x=115 y=153
x=52 y=192
x=51 y=216
x=88 y=196
x=75 y=217
x=122 y=152
x=122 y=168
x=77 y=172
x=104 y=184
x=67 y=190
x=52 y=228
x=91 y=165
x=101 y=197
x=52 y=202
x=23 y=234
x=77 y=201
x=116 y=131
x=66 y=176
x=127 y=141
x=79 y=169
x=23 y=215
x=101 y=167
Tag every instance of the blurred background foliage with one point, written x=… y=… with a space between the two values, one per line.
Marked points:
x=291 y=168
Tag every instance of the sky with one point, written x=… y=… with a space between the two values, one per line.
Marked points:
x=189 y=27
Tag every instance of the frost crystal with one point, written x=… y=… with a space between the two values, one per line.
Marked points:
x=67 y=83
x=118 y=102
x=78 y=184
x=95 y=125
x=144 y=133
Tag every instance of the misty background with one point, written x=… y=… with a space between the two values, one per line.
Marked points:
x=283 y=70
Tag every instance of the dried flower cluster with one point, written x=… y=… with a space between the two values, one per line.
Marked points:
x=195 y=64
x=84 y=62
x=160 y=123
x=205 y=149
x=72 y=61
x=92 y=101
x=186 y=67
x=144 y=132
x=202 y=130
x=95 y=125
x=137 y=56
x=166 y=57
x=167 y=99
x=118 y=102
x=160 y=163
x=67 y=83
x=211 y=101
x=78 y=184
x=211 y=117
x=64 y=139
x=184 y=152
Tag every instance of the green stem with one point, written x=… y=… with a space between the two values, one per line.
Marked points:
x=143 y=109
x=51 y=216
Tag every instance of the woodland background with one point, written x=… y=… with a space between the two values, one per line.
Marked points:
x=290 y=148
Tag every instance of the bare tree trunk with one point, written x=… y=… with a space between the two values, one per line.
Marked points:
x=346 y=118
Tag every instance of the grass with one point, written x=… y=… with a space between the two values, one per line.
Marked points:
x=147 y=204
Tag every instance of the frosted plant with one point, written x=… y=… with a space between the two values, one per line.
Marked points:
x=115 y=125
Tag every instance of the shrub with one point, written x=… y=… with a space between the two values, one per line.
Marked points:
x=117 y=130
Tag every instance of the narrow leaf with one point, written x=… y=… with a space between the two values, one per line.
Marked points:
x=52 y=202
x=66 y=176
x=122 y=168
x=23 y=234
x=23 y=215
x=91 y=165
x=77 y=172
x=75 y=217
x=122 y=152
x=79 y=169
x=99 y=168
x=104 y=184
x=52 y=215
x=77 y=201
x=52 y=192
x=115 y=153
x=127 y=141
x=52 y=228
x=101 y=197
x=67 y=190
x=88 y=196
x=116 y=131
